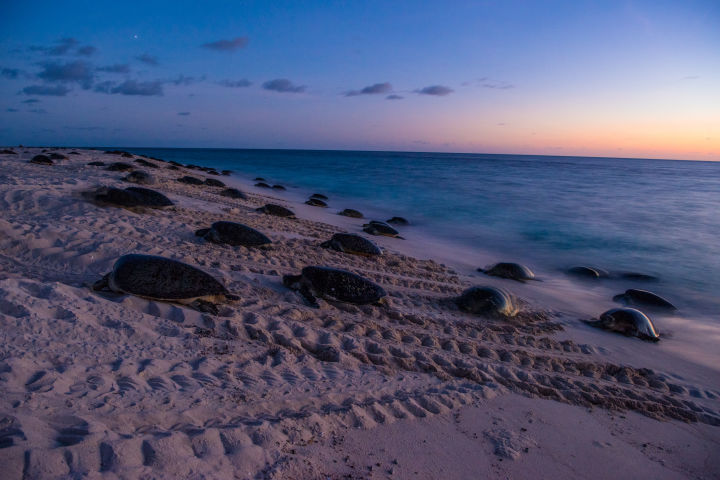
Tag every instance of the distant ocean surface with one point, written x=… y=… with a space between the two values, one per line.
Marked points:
x=660 y=217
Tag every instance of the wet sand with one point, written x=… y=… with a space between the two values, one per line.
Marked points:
x=116 y=386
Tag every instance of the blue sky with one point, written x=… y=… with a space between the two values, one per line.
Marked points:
x=615 y=78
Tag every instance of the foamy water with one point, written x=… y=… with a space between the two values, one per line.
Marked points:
x=657 y=217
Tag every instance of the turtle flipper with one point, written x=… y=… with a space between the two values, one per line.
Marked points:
x=202 y=232
x=205 y=307
x=103 y=284
x=309 y=297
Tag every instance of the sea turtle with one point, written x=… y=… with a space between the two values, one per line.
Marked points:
x=513 y=271
x=316 y=202
x=278 y=187
x=627 y=321
x=319 y=196
x=159 y=278
x=190 y=180
x=351 y=243
x=145 y=163
x=398 y=221
x=120 y=167
x=213 y=182
x=130 y=197
x=234 y=234
x=172 y=167
x=7 y=151
x=349 y=212
x=259 y=179
x=41 y=160
x=643 y=277
x=57 y=156
x=644 y=298
x=583 y=271
x=140 y=177
x=277 y=210
x=226 y=172
x=232 y=193
x=96 y=164
x=262 y=185
x=380 y=228
x=334 y=284
x=487 y=300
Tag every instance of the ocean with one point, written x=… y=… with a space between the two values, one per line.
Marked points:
x=658 y=217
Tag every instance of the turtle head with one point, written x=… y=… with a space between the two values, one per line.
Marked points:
x=292 y=281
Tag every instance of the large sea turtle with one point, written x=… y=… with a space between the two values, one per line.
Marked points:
x=235 y=234
x=583 y=271
x=513 y=271
x=190 y=180
x=140 y=177
x=349 y=212
x=232 y=193
x=627 y=321
x=398 y=221
x=146 y=163
x=130 y=197
x=316 y=202
x=120 y=167
x=213 y=182
x=351 y=243
x=643 y=298
x=41 y=160
x=160 y=278
x=277 y=210
x=487 y=301
x=380 y=228
x=334 y=284
x=319 y=196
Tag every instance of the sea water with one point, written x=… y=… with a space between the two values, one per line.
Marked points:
x=658 y=217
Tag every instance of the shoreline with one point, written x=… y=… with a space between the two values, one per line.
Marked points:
x=160 y=389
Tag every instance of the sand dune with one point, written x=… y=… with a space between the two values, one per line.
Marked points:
x=116 y=386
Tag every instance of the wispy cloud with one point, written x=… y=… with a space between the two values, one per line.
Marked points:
x=227 y=45
x=394 y=97
x=183 y=114
x=31 y=100
x=117 y=68
x=376 y=89
x=436 y=90
x=61 y=47
x=38 y=110
x=12 y=110
x=498 y=85
x=235 y=83
x=55 y=91
x=10 y=72
x=86 y=50
x=77 y=71
x=283 y=85
x=183 y=80
x=132 y=87
x=148 y=59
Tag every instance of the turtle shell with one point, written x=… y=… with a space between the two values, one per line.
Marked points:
x=342 y=285
x=351 y=243
x=486 y=300
x=235 y=234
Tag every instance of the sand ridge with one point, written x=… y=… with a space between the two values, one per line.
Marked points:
x=120 y=386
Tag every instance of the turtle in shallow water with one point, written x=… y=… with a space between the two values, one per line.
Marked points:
x=57 y=156
x=627 y=321
x=146 y=163
x=644 y=298
x=213 y=182
x=487 y=301
x=190 y=180
x=583 y=271
x=232 y=233
x=380 y=228
x=277 y=210
x=129 y=197
x=262 y=185
x=259 y=179
x=41 y=160
x=349 y=212
x=643 y=277
x=398 y=221
x=140 y=177
x=351 y=243
x=232 y=193
x=278 y=187
x=513 y=271
x=334 y=284
x=159 y=278
x=319 y=196
x=316 y=202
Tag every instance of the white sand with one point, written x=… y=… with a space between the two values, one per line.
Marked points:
x=115 y=386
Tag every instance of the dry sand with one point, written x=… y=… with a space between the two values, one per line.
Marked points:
x=115 y=386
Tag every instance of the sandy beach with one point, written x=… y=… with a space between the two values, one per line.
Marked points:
x=104 y=385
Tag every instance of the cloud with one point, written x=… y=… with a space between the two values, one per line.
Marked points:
x=183 y=80
x=394 y=97
x=133 y=87
x=38 y=110
x=498 y=85
x=62 y=47
x=86 y=51
x=378 y=88
x=9 y=72
x=184 y=114
x=236 y=83
x=56 y=91
x=437 y=90
x=227 y=45
x=77 y=71
x=31 y=100
x=148 y=59
x=117 y=68
x=283 y=85
x=12 y=110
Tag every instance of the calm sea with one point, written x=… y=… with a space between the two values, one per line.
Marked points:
x=660 y=217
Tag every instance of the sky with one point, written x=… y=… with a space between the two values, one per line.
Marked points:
x=589 y=78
